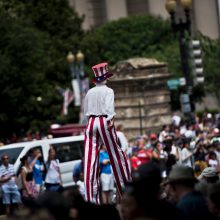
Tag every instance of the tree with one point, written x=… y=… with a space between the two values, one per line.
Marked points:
x=136 y=36
x=211 y=51
x=149 y=36
x=34 y=44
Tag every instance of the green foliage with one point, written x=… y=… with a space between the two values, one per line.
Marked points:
x=211 y=52
x=20 y=71
x=35 y=38
x=137 y=36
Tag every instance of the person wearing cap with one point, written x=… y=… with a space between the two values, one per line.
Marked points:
x=214 y=200
x=141 y=198
x=134 y=160
x=209 y=176
x=181 y=183
x=99 y=111
x=144 y=154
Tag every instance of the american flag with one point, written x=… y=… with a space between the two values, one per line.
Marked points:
x=68 y=97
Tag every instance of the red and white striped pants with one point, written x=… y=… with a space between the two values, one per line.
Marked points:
x=97 y=133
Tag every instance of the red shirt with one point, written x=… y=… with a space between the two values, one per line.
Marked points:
x=143 y=156
x=135 y=162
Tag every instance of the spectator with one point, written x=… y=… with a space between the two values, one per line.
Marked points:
x=81 y=185
x=29 y=189
x=55 y=203
x=212 y=160
x=53 y=181
x=144 y=155
x=186 y=154
x=153 y=140
x=176 y=119
x=172 y=152
x=181 y=182
x=134 y=160
x=208 y=176
x=10 y=192
x=141 y=198
x=77 y=170
x=107 y=179
x=165 y=131
x=199 y=158
x=38 y=168
x=160 y=156
x=214 y=199
x=190 y=132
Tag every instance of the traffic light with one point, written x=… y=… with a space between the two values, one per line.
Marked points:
x=197 y=64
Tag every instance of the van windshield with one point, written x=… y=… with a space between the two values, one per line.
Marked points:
x=12 y=154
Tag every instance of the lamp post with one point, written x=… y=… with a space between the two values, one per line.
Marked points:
x=182 y=26
x=80 y=83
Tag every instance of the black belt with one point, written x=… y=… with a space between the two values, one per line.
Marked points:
x=95 y=116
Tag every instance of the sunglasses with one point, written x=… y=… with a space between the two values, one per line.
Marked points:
x=5 y=158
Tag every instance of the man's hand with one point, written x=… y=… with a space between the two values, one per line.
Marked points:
x=105 y=161
x=5 y=178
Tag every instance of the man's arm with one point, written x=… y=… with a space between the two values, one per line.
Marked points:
x=110 y=106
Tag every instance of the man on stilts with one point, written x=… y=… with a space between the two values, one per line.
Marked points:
x=100 y=111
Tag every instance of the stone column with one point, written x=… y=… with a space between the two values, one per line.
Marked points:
x=206 y=17
x=158 y=9
x=116 y=9
x=81 y=6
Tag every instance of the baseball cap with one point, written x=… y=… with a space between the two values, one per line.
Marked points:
x=153 y=136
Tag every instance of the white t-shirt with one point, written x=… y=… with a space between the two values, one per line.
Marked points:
x=53 y=172
x=162 y=135
x=213 y=163
x=190 y=134
x=99 y=100
x=81 y=187
x=184 y=154
x=176 y=119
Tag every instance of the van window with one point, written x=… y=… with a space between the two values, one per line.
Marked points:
x=69 y=151
x=12 y=153
x=37 y=148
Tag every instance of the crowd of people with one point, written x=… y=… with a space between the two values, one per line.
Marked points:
x=196 y=145
x=34 y=178
x=175 y=175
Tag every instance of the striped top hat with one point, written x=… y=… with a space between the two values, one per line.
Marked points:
x=101 y=72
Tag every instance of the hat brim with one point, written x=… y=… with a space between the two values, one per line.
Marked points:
x=102 y=78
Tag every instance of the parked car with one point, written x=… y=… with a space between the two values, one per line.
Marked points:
x=69 y=152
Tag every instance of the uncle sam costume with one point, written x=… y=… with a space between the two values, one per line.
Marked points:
x=100 y=112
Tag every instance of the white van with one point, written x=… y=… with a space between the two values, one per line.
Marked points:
x=69 y=152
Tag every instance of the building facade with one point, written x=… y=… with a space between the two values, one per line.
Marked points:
x=142 y=100
x=205 y=13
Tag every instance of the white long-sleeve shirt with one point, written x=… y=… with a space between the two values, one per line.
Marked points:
x=99 y=100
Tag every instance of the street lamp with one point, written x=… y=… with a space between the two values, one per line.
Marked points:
x=183 y=28
x=80 y=82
